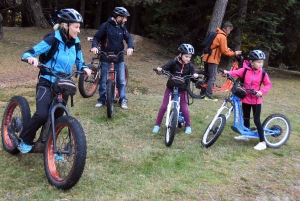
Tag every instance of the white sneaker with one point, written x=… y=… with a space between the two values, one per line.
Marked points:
x=124 y=104
x=261 y=146
x=241 y=137
x=99 y=104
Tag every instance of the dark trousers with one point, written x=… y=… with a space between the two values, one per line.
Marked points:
x=43 y=100
x=256 y=110
x=212 y=70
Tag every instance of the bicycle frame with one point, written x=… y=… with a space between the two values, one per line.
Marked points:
x=55 y=104
x=175 y=102
x=112 y=75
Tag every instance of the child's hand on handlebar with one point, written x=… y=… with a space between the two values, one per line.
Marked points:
x=94 y=50
x=33 y=61
x=196 y=75
x=258 y=94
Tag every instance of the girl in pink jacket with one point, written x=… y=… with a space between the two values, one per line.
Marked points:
x=253 y=78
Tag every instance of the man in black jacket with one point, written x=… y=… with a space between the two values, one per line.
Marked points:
x=110 y=37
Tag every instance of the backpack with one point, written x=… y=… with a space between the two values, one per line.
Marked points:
x=206 y=44
x=241 y=80
x=54 y=42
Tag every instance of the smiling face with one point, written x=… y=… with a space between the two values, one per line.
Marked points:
x=257 y=64
x=186 y=58
x=74 y=30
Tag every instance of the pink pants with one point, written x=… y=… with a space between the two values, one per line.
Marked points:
x=183 y=107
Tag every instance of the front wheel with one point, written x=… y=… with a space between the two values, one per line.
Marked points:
x=277 y=130
x=64 y=166
x=171 y=128
x=196 y=87
x=213 y=131
x=16 y=114
x=88 y=85
x=110 y=88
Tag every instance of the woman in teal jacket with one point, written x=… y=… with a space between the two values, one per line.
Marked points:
x=62 y=62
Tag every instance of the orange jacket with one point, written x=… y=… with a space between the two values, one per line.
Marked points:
x=219 y=47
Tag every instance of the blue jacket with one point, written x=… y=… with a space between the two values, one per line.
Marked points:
x=110 y=36
x=63 y=59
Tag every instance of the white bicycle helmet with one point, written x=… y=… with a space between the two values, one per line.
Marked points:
x=186 y=49
x=69 y=15
x=256 y=55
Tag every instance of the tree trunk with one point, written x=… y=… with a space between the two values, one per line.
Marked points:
x=96 y=24
x=133 y=20
x=241 y=20
x=1 y=28
x=82 y=9
x=216 y=21
x=218 y=15
x=38 y=15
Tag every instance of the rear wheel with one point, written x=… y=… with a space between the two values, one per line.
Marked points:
x=277 y=130
x=110 y=88
x=88 y=85
x=65 y=166
x=16 y=114
x=171 y=128
x=195 y=87
x=213 y=131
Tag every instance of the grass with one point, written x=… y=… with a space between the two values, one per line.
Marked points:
x=125 y=161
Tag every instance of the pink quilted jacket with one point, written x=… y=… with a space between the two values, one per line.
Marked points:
x=252 y=81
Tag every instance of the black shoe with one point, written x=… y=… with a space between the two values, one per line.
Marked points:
x=207 y=97
x=202 y=95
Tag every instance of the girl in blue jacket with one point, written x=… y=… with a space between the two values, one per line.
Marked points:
x=62 y=62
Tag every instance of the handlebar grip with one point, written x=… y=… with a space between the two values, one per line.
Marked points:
x=24 y=60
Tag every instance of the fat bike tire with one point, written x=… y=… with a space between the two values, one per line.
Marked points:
x=110 y=89
x=88 y=85
x=64 y=168
x=171 y=128
x=16 y=114
x=277 y=130
x=212 y=134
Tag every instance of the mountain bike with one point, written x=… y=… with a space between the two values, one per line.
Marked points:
x=276 y=127
x=62 y=140
x=174 y=117
x=195 y=88
x=88 y=85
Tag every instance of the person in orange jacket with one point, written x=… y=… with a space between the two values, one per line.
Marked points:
x=211 y=61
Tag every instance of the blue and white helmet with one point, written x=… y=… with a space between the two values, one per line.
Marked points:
x=69 y=15
x=256 y=55
x=186 y=49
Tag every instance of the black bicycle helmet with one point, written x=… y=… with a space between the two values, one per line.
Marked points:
x=120 y=11
x=69 y=15
x=186 y=49
x=256 y=55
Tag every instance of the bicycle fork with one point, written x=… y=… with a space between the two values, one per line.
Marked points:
x=220 y=110
x=176 y=105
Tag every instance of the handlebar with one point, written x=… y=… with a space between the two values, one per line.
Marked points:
x=49 y=70
x=171 y=75
x=252 y=91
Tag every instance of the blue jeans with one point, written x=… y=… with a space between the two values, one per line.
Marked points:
x=121 y=82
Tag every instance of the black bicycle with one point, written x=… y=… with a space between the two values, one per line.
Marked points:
x=62 y=140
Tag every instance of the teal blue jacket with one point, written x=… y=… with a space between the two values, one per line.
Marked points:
x=64 y=58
